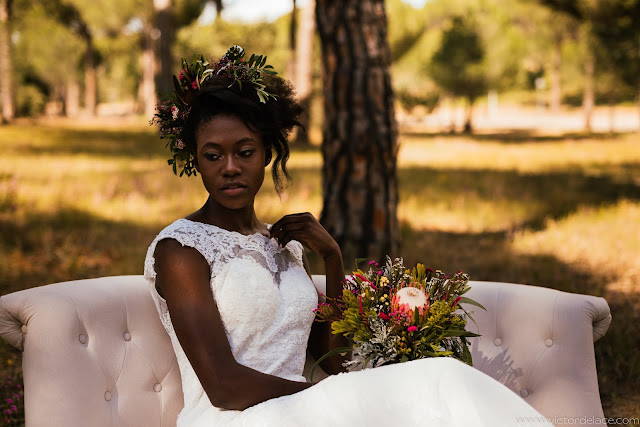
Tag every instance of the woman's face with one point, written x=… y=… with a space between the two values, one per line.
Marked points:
x=231 y=160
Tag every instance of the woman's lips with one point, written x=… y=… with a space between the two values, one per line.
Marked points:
x=234 y=190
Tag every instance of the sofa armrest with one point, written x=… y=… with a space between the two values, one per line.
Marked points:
x=94 y=353
x=539 y=342
x=13 y=320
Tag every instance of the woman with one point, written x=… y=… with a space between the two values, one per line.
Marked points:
x=234 y=293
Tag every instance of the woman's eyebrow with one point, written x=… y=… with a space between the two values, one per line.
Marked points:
x=216 y=145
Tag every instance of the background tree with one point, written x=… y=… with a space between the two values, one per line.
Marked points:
x=170 y=16
x=71 y=17
x=302 y=79
x=458 y=64
x=47 y=55
x=6 y=92
x=610 y=33
x=616 y=25
x=359 y=135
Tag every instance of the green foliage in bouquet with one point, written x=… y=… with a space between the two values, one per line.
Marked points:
x=392 y=314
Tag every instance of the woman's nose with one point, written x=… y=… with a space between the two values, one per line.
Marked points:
x=231 y=166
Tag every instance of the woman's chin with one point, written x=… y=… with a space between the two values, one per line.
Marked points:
x=235 y=203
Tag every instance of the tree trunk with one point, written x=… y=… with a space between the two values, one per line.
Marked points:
x=304 y=67
x=6 y=92
x=147 y=90
x=468 y=128
x=72 y=98
x=612 y=112
x=360 y=133
x=165 y=29
x=555 y=94
x=291 y=63
x=90 y=79
x=588 y=97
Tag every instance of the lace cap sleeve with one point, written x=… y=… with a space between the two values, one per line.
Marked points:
x=189 y=234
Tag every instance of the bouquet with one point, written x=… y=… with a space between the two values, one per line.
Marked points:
x=392 y=314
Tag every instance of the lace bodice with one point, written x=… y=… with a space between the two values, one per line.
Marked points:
x=264 y=296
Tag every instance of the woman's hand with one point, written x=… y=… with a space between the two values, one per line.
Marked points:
x=306 y=229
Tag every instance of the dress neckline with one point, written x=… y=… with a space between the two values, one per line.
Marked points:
x=257 y=233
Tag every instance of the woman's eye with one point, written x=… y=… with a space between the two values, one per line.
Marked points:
x=246 y=153
x=210 y=156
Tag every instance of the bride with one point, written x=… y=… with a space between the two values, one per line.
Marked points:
x=235 y=295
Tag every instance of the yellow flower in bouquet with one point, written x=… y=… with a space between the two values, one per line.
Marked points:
x=392 y=314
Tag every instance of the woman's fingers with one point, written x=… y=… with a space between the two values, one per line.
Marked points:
x=292 y=219
x=289 y=233
x=306 y=229
x=295 y=220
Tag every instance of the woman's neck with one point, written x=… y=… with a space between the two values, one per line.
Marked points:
x=244 y=221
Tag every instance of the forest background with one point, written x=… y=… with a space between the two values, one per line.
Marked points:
x=538 y=183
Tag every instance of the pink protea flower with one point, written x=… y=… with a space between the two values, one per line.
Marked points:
x=410 y=298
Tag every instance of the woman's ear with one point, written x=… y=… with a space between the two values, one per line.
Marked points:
x=267 y=157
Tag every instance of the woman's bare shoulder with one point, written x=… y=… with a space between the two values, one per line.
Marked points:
x=178 y=264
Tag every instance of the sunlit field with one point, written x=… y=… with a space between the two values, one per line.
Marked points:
x=556 y=211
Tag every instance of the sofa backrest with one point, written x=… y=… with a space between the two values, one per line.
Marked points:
x=95 y=352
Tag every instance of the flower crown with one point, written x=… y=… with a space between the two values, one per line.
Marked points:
x=172 y=112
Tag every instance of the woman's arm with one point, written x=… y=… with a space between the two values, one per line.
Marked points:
x=182 y=277
x=306 y=229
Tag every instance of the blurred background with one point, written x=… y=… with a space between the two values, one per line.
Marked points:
x=518 y=131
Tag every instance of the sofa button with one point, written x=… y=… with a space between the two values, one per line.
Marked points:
x=24 y=329
x=524 y=392
x=548 y=342
x=107 y=396
x=497 y=341
x=157 y=387
x=127 y=336
x=83 y=338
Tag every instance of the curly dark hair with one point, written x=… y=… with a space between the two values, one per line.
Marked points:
x=274 y=120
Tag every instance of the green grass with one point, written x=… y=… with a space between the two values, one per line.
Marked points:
x=563 y=212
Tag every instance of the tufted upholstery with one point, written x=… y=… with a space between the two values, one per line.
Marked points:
x=95 y=353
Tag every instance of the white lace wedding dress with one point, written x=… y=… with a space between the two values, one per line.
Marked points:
x=266 y=302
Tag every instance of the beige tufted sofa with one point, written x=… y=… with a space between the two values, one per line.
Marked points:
x=95 y=353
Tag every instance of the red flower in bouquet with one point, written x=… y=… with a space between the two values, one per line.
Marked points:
x=392 y=314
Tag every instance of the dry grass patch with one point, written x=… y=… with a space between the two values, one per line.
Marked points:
x=81 y=200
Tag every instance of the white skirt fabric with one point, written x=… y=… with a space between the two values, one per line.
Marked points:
x=429 y=392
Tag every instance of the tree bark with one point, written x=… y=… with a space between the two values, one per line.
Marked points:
x=359 y=145
x=304 y=67
x=147 y=90
x=165 y=28
x=6 y=88
x=588 y=97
